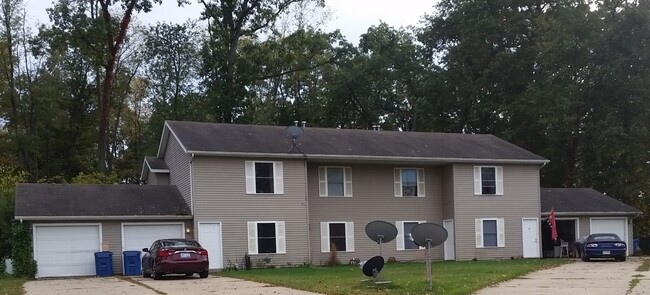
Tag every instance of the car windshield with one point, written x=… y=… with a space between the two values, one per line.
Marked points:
x=605 y=238
x=180 y=243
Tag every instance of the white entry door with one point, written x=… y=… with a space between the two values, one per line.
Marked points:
x=530 y=237
x=450 y=251
x=210 y=239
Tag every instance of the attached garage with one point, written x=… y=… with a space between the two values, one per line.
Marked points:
x=136 y=236
x=71 y=222
x=66 y=250
x=583 y=211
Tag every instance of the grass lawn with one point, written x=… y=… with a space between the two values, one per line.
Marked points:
x=11 y=286
x=449 y=277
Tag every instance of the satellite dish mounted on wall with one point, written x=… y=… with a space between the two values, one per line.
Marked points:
x=294 y=133
x=429 y=235
x=381 y=232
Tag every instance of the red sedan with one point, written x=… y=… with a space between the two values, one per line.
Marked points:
x=174 y=256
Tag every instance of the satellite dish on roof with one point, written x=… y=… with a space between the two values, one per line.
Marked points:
x=381 y=232
x=429 y=235
x=294 y=133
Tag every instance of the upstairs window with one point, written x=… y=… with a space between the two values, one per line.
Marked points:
x=264 y=177
x=409 y=182
x=488 y=180
x=335 y=181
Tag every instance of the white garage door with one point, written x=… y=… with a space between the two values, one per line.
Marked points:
x=610 y=225
x=142 y=235
x=66 y=250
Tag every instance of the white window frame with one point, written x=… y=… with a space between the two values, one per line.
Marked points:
x=399 y=240
x=501 y=233
x=322 y=181
x=280 y=240
x=278 y=178
x=325 y=236
x=397 y=174
x=478 y=180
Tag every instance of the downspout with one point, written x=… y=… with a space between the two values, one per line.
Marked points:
x=307 y=211
x=194 y=225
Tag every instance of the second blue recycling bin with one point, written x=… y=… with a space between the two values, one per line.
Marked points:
x=131 y=263
x=104 y=264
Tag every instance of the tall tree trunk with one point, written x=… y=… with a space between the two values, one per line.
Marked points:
x=113 y=44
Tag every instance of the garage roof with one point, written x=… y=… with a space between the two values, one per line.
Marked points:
x=582 y=201
x=85 y=202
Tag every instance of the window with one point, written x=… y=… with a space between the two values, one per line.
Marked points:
x=409 y=182
x=266 y=237
x=404 y=240
x=490 y=232
x=488 y=180
x=264 y=178
x=335 y=181
x=339 y=234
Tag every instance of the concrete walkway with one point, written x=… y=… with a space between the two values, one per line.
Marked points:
x=588 y=278
x=171 y=285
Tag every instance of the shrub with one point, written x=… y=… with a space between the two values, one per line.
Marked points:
x=21 y=250
x=248 y=264
x=333 y=259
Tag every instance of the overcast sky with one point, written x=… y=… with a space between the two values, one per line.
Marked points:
x=353 y=17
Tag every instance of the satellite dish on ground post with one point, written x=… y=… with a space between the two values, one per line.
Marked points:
x=429 y=235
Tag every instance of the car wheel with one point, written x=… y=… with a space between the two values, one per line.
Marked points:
x=146 y=274
x=203 y=274
x=622 y=258
x=585 y=258
x=156 y=275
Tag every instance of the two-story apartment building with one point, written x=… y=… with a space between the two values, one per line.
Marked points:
x=250 y=192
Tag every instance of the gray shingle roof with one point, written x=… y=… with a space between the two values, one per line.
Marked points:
x=235 y=138
x=582 y=200
x=81 y=200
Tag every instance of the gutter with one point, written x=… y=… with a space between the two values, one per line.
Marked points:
x=366 y=158
x=125 y=217
x=610 y=213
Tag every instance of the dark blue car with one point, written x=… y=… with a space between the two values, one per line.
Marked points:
x=604 y=246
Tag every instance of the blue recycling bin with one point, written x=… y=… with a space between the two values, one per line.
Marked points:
x=131 y=263
x=104 y=264
x=636 y=244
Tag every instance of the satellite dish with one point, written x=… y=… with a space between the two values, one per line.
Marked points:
x=429 y=235
x=373 y=266
x=294 y=133
x=381 y=232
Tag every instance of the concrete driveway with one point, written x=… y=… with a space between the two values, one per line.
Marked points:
x=168 y=285
x=588 y=278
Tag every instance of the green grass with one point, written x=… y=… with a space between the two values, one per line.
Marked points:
x=645 y=266
x=11 y=285
x=449 y=277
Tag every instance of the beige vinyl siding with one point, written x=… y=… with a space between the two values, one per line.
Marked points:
x=584 y=226
x=448 y=192
x=520 y=199
x=158 y=178
x=373 y=199
x=179 y=168
x=220 y=195
x=112 y=238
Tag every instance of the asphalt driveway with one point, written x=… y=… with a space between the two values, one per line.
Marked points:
x=588 y=278
x=168 y=285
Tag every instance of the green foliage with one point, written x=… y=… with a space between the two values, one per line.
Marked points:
x=8 y=180
x=21 y=250
x=11 y=285
x=95 y=178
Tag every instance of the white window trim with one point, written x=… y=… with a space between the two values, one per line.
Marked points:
x=478 y=180
x=399 y=240
x=325 y=236
x=278 y=178
x=322 y=181
x=280 y=240
x=397 y=174
x=501 y=233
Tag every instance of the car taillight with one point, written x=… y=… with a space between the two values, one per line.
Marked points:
x=592 y=245
x=203 y=252
x=165 y=253
x=619 y=245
